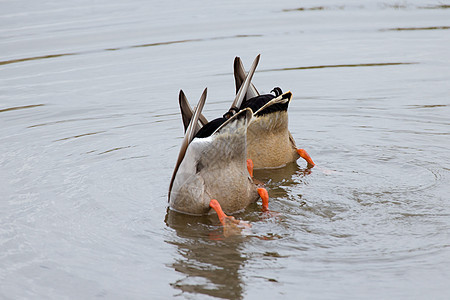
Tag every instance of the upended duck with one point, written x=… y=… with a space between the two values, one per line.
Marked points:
x=212 y=170
x=269 y=142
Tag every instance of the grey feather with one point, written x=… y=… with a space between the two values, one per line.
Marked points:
x=239 y=77
x=222 y=174
x=244 y=87
x=189 y=135
x=187 y=112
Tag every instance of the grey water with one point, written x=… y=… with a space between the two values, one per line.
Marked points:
x=90 y=131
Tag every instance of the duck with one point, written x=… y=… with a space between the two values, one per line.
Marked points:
x=270 y=143
x=212 y=172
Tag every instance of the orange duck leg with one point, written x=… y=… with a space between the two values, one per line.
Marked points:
x=231 y=226
x=303 y=154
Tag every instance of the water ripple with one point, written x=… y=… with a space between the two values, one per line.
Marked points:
x=79 y=135
x=20 y=107
x=417 y=28
x=340 y=66
x=12 y=61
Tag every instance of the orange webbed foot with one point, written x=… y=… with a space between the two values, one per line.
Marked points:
x=303 y=154
x=231 y=226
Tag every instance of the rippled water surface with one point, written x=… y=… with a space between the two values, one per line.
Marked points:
x=90 y=130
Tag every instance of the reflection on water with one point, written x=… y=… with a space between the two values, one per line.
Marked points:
x=279 y=180
x=209 y=265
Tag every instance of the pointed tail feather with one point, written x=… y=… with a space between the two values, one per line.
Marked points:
x=239 y=77
x=190 y=133
x=187 y=113
x=244 y=87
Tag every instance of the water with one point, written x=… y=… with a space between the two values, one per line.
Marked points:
x=90 y=131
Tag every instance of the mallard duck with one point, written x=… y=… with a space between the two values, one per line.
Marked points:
x=212 y=167
x=270 y=144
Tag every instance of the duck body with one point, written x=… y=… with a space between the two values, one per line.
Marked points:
x=270 y=144
x=215 y=167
